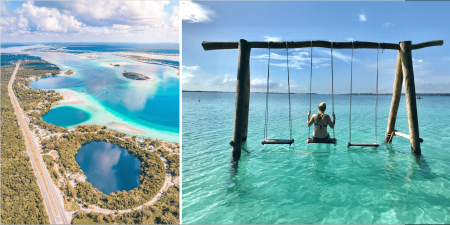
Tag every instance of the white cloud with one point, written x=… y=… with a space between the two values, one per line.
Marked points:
x=297 y=59
x=350 y=39
x=121 y=27
x=388 y=24
x=194 y=78
x=175 y=23
x=268 y=38
x=90 y=18
x=195 y=13
x=420 y=60
x=339 y=55
x=362 y=17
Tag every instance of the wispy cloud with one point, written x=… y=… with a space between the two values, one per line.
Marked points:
x=362 y=17
x=195 y=13
x=268 y=38
x=386 y=25
x=298 y=59
x=350 y=39
x=194 y=78
x=105 y=19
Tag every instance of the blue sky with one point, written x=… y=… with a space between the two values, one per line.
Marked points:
x=390 y=22
x=90 y=21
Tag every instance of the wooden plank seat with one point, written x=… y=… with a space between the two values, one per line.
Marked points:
x=277 y=141
x=331 y=141
x=363 y=144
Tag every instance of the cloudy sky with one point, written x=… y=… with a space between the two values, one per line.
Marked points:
x=90 y=21
x=389 y=22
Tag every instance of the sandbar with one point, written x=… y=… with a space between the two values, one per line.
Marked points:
x=125 y=127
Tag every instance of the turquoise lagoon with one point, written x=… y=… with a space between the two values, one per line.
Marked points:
x=66 y=116
x=278 y=184
x=143 y=108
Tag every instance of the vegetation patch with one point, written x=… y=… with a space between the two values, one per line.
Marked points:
x=68 y=72
x=166 y=211
x=135 y=76
x=21 y=199
x=151 y=179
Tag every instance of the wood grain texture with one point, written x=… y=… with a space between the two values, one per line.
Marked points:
x=277 y=141
x=243 y=67
x=410 y=94
x=396 y=94
x=207 y=45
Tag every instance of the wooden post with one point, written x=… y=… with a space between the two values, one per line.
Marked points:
x=242 y=100
x=410 y=93
x=396 y=94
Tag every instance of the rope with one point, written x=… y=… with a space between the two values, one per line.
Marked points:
x=350 y=114
x=282 y=153
x=289 y=89
x=332 y=82
x=376 y=102
x=267 y=96
x=310 y=81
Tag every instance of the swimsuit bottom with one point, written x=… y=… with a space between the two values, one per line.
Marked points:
x=321 y=140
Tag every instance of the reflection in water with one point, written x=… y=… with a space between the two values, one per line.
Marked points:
x=108 y=167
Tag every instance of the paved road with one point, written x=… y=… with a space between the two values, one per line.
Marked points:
x=53 y=201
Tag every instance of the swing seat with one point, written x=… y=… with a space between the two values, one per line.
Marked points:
x=277 y=141
x=331 y=141
x=363 y=144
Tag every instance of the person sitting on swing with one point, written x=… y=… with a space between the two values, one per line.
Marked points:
x=321 y=120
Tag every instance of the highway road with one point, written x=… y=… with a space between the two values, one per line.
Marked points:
x=53 y=200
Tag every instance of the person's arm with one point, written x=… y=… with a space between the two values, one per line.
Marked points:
x=334 y=121
x=308 y=121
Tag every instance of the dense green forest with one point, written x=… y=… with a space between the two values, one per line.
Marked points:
x=34 y=101
x=151 y=178
x=21 y=200
x=165 y=211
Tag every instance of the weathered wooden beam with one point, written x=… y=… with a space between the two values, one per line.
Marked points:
x=427 y=44
x=324 y=44
x=405 y=136
x=363 y=144
x=397 y=92
x=243 y=71
x=410 y=93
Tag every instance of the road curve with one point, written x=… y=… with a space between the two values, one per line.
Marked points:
x=53 y=201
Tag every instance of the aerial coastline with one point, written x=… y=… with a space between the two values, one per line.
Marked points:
x=72 y=180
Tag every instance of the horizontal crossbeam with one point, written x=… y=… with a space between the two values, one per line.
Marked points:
x=323 y=44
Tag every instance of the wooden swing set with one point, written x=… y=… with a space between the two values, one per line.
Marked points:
x=404 y=73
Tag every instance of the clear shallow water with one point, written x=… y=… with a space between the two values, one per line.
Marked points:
x=109 y=167
x=151 y=109
x=66 y=116
x=369 y=185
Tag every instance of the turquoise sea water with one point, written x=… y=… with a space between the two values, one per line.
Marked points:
x=275 y=184
x=108 y=167
x=143 y=108
x=66 y=116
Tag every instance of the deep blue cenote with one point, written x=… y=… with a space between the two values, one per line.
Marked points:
x=108 y=167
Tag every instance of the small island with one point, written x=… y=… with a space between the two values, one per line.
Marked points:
x=135 y=76
x=68 y=72
x=114 y=64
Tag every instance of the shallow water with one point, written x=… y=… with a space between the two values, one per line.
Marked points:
x=276 y=184
x=100 y=90
x=108 y=167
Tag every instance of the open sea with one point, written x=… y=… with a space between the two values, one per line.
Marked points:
x=277 y=184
